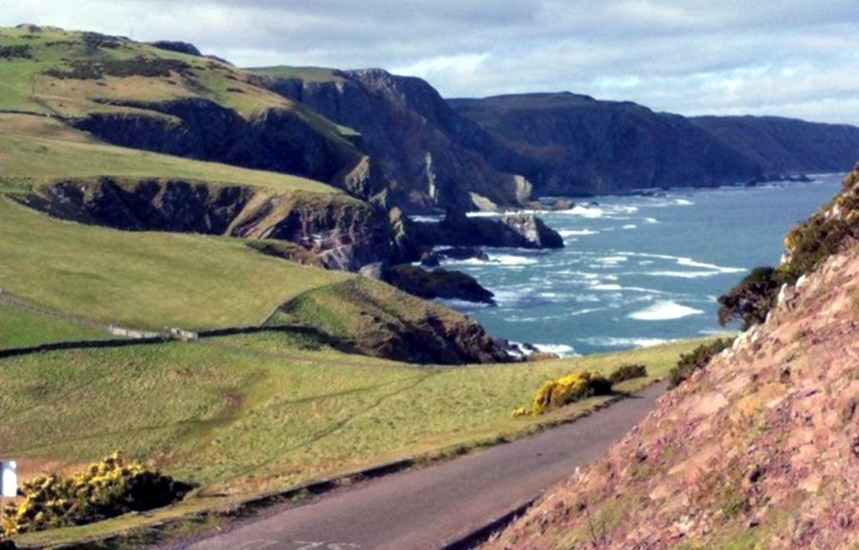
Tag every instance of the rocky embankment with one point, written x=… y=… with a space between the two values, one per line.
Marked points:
x=332 y=230
x=759 y=449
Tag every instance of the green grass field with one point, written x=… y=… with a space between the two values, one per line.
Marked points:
x=145 y=279
x=19 y=329
x=251 y=413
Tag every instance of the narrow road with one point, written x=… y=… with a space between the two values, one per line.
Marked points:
x=424 y=509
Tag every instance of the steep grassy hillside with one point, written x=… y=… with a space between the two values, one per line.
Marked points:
x=146 y=280
x=146 y=97
x=41 y=149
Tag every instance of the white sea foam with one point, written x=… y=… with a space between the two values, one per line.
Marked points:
x=683 y=202
x=426 y=219
x=651 y=220
x=613 y=260
x=663 y=311
x=630 y=226
x=600 y=286
x=512 y=260
x=614 y=342
x=689 y=262
x=558 y=349
x=577 y=232
x=585 y=212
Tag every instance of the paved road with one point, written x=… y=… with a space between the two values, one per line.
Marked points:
x=426 y=508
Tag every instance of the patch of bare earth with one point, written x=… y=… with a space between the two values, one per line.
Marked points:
x=761 y=449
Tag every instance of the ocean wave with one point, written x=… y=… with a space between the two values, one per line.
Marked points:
x=615 y=342
x=689 y=262
x=630 y=226
x=558 y=349
x=664 y=311
x=577 y=232
x=680 y=274
x=584 y=211
x=683 y=202
x=651 y=220
x=504 y=259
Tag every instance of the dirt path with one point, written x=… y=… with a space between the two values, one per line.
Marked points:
x=427 y=508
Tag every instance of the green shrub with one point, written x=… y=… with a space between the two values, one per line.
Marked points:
x=105 y=490
x=695 y=360
x=627 y=372
x=752 y=299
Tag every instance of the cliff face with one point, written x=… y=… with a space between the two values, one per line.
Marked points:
x=758 y=450
x=782 y=145
x=572 y=144
x=429 y=157
x=277 y=139
x=337 y=231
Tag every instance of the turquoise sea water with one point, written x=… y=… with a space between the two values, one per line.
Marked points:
x=636 y=270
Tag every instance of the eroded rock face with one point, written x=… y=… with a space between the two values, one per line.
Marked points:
x=438 y=283
x=429 y=157
x=276 y=140
x=332 y=231
x=511 y=231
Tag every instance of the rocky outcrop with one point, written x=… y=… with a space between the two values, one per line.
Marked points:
x=429 y=157
x=379 y=320
x=575 y=145
x=510 y=231
x=331 y=230
x=438 y=283
x=756 y=450
x=786 y=146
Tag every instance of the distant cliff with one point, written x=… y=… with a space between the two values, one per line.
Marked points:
x=784 y=145
x=573 y=144
x=429 y=156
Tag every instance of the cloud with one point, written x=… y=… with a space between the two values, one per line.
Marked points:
x=793 y=58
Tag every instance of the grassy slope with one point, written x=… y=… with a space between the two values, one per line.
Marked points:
x=148 y=280
x=26 y=87
x=19 y=329
x=27 y=83
x=254 y=412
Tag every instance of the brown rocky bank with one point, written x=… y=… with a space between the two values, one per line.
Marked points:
x=760 y=449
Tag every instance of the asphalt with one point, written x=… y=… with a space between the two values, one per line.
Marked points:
x=430 y=507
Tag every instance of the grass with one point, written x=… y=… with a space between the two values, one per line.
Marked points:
x=248 y=414
x=19 y=329
x=146 y=280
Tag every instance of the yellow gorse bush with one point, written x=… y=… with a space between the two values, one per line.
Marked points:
x=107 y=489
x=573 y=387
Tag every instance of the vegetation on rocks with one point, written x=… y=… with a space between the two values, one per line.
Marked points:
x=807 y=246
x=105 y=490
x=696 y=360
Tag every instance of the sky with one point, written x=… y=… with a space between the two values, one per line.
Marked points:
x=793 y=58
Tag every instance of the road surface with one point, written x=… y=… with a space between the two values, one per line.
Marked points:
x=427 y=508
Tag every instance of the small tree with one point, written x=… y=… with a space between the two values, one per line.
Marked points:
x=752 y=299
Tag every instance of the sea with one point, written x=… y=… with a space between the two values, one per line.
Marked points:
x=638 y=270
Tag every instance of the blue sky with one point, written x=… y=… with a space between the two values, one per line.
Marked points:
x=795 y=58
